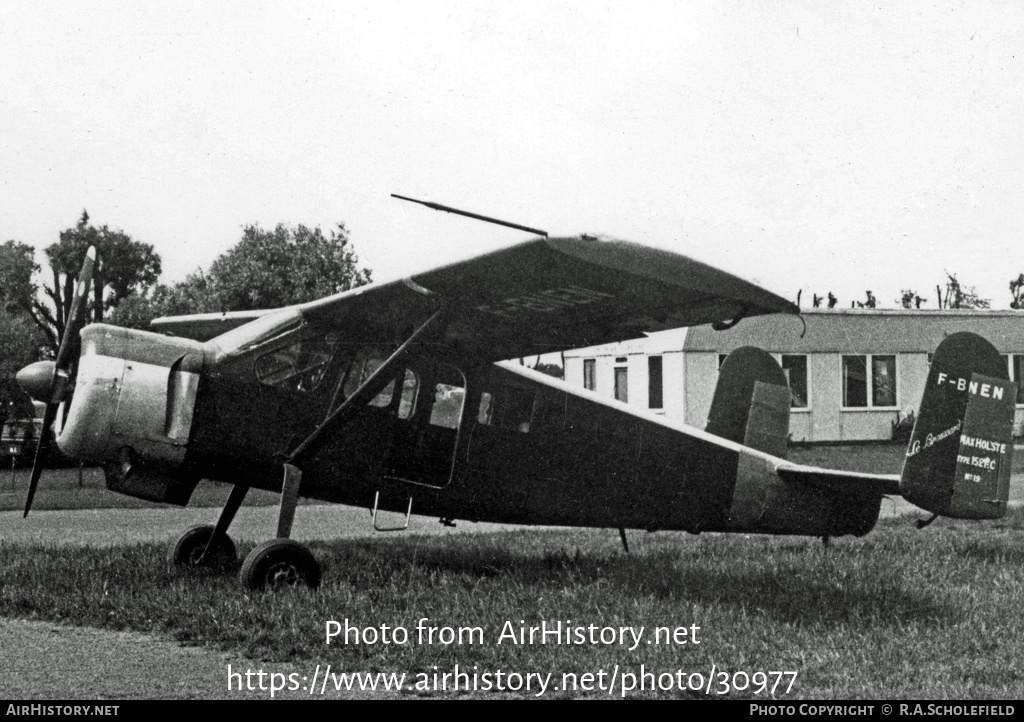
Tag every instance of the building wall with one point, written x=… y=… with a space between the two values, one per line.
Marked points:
x=690 y=367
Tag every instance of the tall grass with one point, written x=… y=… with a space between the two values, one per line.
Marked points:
x=900 y=613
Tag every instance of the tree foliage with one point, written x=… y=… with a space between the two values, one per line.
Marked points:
x=125 y=267
x=269 y=269
x=265 y=269
x=959 y=296
x=21 y=342
x=910 y=298
x=1017 y=291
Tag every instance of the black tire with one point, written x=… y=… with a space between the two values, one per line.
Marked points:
x=189 y=549
x=277 y=564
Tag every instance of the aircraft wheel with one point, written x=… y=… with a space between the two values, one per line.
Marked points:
x=279 y=563
x=190 y=547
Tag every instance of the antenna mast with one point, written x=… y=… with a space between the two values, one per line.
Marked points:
x=449 y=209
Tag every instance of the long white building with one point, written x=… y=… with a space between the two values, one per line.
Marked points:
x=853 y=373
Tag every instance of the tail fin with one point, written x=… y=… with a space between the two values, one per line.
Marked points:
x=751 y=402
x=960 y=452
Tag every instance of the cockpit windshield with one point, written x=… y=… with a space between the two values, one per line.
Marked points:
x=258 y=332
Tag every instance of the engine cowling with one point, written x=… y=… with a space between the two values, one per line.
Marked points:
x=132 y=408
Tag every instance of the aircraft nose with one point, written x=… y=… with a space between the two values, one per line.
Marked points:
x=36 y=379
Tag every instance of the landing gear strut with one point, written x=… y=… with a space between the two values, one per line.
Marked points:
x=210 y=546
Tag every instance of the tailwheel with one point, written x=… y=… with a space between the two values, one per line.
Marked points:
x=188 y=552
x=279 y=563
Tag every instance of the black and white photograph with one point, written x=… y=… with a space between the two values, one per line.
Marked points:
x=547 y=349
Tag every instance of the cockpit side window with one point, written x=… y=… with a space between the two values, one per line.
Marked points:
x=299 y=366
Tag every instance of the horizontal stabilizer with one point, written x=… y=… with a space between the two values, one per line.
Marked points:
x=846 y=483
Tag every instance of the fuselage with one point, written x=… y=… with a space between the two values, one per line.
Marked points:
x=462 y=440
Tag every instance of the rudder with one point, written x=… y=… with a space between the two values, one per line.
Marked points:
x=960 y=451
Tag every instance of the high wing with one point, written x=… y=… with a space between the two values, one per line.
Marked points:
x=539 y=296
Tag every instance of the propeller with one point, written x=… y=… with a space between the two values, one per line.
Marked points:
x=49 y=380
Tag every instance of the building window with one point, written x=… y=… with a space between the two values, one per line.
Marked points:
x=1018 y=376
x=621 y=384
x=795 y=368
x=863 y=390
x=589 y=381
x=655 y=398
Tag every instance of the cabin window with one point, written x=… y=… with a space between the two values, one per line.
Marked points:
x=507 y=408
x=655 y=386
x=486 y=410
x=367 y=361
x=875 y=389
x=622 y=384
x=795 y=368
x=362 y=367
x=589 y=379
x=447 y=409
x=299 y=366
x=410 y=387
x=518 y=411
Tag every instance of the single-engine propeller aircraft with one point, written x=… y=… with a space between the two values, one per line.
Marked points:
x=393 y=396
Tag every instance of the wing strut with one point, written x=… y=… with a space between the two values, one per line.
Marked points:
x=344 y=413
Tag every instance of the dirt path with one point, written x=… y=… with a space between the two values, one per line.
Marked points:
x=43 y=661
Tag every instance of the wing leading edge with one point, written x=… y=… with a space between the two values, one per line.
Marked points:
x=539 y=296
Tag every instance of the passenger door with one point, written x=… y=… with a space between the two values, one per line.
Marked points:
x=425 y=440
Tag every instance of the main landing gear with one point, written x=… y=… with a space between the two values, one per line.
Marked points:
x=277 y=564
x=273 y=565
x=192 y=550
x=282 y=562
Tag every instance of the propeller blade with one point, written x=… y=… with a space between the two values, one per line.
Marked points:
x=42 y=451
x=76 y=316
x=62 y=370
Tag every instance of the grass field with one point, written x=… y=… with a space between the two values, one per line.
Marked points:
x=60 y=489
x=897 y=614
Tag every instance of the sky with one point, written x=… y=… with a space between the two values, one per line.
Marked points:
x=807 y=146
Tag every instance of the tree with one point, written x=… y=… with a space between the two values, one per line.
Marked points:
x=958 y=296
x=270 y=269
x=910 y=299
x=125 y=266
x=550 y=369
x=193 y=295
x=265 y=269
x=1017 y=289
x=17 y=266
x=869 y=302
x=21 y=342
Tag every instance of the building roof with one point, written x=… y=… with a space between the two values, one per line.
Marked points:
x=861 y=331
